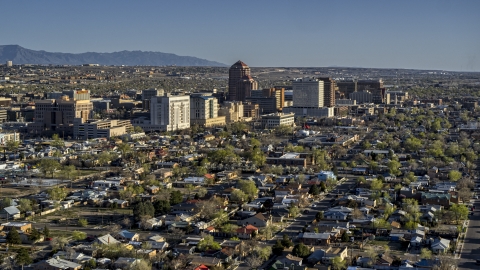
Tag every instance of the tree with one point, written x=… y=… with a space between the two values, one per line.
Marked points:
x=34 y=235
x=78 y=235
x=249 y=188
x=277 y=248
x=372 y=254
x=286 y=241
x=46 y=232
x=338 y=263
x=459 y=211
x=82 y=222
x=253 y=261
x=143 y=209
x=238 y=195
x=57 y=193
x=345 y=237
x=319 y=216
x=161 y=207
x=13 y=237
x=293 y=210
x=176 y=197
x=48 y=166
x=314 y=190
x=464 y=194
x=208 y=243
x=301 y=250
x=23 y=257
x=124 y=148
x=68 y=172
x=59 y=242
x=454 y=175
x=425 y=253
x=24 y=205
x=264 y=253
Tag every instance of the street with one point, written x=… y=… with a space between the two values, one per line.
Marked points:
x=471 y=246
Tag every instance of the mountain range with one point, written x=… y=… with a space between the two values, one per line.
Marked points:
x=20 y=55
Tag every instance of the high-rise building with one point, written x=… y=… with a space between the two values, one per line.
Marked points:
x=9 y=63
x=369 y=84
x=57 y=115
x=147 y=95
x=308 y=93
x=270 y=100
x=204 y=110
x=240 y=83
x=345 y=88
x=77 y=94
x=232 y=110
x=329 y=87
x=170 y=113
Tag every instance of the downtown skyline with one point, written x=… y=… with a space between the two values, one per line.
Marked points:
x=440 y=35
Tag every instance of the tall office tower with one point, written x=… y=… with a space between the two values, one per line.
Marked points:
x=77 y=94
x=147 y=95
x=308 y=93
x=9 y=63
x=58 y=115
x=369 y=84
x=204 y=110
x=329 y=87
x=170 y=113
x=346 y=88
x=270 y=100
x=240 y=83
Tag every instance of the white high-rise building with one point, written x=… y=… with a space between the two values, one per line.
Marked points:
x=308 y=93
x=170 y=113
x=204 y=110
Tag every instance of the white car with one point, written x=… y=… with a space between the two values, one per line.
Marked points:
x=352 y=226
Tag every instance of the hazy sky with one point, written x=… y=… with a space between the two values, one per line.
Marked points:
x=385 y=34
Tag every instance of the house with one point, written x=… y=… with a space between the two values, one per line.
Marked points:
x=10 y=212
x=207 y=261
x=258 y=220
x=150 y=253
x=440 y=245
x=325 y=175
x=416 y=241
x=335 y=215
x=384 y=260
x=246 y=232
x=129 y=236
x=124 y=262
x=57 y=264
x=19 y=226
x=151 y=224
x=331 y=253
x=315 y=238
x=106 y=240
x=435 y=198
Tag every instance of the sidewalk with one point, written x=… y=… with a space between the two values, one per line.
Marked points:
x=461 y=240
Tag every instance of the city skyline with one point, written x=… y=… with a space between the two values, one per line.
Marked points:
x=438 y=35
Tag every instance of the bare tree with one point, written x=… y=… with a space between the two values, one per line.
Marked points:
x=127 y=223
x=253 y=261
x=445 y=262
x=114 y=229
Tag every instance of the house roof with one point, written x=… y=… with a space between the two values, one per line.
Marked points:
x=62 y=264
x=11 y=210
x=247 y=229
x=107 y=239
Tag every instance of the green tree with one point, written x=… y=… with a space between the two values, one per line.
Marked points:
x=176 y=197
x=286 y=241
x=57 y=142
x=319 y=216
x=249 y=188
x=277 y=248
x=454 y=175
x=238 y=195
x=46 y=232
x=459 y=211
x=293 y=210
x=13 y=237
x=208 y=243
x=23 y=257
x=24 y=205
x=68 y=172
x=425 y=253
x=314 y=190
x=338 y=263
x=82 y=222
x=34 y=235
x=301 y=250
x=57 y=193
x=48 y=166
x=78 y=235
x=124 y=148
x=345 y=237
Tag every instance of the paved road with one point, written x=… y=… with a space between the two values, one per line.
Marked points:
x=471 y=247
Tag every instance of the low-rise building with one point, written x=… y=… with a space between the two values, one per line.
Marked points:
x=273 y=120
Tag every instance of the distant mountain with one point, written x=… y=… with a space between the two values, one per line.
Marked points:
x=20 y=55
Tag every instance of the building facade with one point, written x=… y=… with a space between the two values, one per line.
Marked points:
x=232 y=110
x=204 y=111
x=170 y=113
x=274 y=120
x=91 y=129
x=58 y=115
x=308 y=92
x=240 y=83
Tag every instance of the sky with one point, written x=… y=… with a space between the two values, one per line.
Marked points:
x=427 y=34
